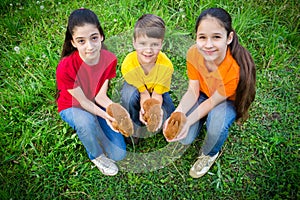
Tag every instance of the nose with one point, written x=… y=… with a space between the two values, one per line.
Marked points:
x=208 y=43
x=148 y=48
x=89 y=44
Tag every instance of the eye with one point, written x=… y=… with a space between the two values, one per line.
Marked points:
x=201 y=37
x=95 y=38
x=80 y=41
x=217 y=37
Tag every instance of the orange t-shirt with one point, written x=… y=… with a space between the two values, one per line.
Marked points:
x=224 y=80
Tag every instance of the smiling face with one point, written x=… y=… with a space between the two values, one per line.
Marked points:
x=87 y=39
x=212 y=40
x=147 y=49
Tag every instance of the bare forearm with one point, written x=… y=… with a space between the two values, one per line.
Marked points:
x=204 y=108
x=87 y=104
x=187 y=101
x=143 y=97
x=93 y=108
x=101 y=98
x=201 y=111
x=157 y=97
x=103 y=101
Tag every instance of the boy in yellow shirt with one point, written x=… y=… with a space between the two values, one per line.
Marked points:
x=147 y=73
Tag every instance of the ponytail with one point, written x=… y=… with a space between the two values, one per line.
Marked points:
x=245 y=92
x=68 y=48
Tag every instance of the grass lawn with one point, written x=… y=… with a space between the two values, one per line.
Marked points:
x=42 y=158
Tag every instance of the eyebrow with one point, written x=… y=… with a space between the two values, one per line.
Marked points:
x=213 y=34
x=94 y=34
x=89 y=36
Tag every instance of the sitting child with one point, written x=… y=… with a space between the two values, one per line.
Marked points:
x=147 y=73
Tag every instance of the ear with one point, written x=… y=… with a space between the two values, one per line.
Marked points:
x=73 y=43
x=230 y=38
x=133 y=43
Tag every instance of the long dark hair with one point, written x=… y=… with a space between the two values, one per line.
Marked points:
x=79 y=17
x=245 y=92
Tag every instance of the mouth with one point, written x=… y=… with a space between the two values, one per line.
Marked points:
x=90 y=52
x=147 y=56
x=210 y=52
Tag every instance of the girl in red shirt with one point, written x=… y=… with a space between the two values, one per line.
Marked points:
x=82 y=77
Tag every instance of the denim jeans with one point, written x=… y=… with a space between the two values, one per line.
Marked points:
x=218 y=122
x=130 y=100
x=94 y=133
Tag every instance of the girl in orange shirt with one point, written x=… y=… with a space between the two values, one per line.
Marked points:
x=221 y=86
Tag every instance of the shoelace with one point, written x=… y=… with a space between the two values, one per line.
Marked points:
x=106 y=162
x=203 y=161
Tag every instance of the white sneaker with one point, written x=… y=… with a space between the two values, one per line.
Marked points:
x=202 y=165
x=106 y=165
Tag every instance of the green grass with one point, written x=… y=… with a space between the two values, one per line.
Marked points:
x=42 y=158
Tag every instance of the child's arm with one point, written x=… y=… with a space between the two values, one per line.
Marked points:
x=205 y=107
x=88 y=105
x=189 y=98
x=158 y=97
x=101 y=98
x=202 y=110
x=143 y=97
x=119 y=119
x=187 y=101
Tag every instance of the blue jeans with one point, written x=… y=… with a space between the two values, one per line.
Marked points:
x=218 y=122
x=94 y=133
x=130 y=100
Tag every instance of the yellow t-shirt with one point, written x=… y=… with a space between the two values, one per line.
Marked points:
x=158 y=79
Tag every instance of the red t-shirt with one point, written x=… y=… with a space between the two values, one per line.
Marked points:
x=72 y=72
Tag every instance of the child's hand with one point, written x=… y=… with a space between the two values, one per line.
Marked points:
x=183 y=133
x=153 y=114
x=175 y=127
x=110 y=121
x=121 y=119
x=160 y=120
x=142 y=112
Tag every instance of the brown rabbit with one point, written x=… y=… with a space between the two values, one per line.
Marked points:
x=123 y=122
x=152 y=114
x=175 y=124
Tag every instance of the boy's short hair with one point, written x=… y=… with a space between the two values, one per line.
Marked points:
x=151 y=26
